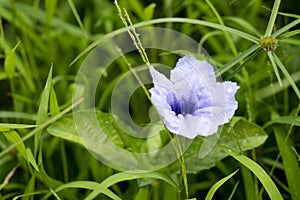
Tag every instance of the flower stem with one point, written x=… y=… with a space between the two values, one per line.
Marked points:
x=182 y=166
x=183 y=172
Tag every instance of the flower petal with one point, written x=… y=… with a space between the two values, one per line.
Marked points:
x=165 y=100
x=189 y=76
x=192 y=103
x=231 y=104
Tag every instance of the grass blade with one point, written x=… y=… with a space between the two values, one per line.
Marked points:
x=124 y=176
x=260 y=173
x=40 y=128
x=289 y=160
x=285 y=28
x=43 y=109
x=5 y=126
x=275 y=68
x=275 y=87
x=287 y=75
x=76 y=15
x=226 y=35
x=166 y=20
x=237 y=59
x=272 y=18
x=216 y=186
x=85 y=185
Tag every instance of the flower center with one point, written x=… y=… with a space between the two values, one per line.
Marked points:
x=268 y=43
x=176 y=108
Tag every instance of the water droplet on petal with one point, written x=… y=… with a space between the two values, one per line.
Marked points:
x=229 y=90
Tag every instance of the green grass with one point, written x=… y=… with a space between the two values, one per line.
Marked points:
x=42 y=46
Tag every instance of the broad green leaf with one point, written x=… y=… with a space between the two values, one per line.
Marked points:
x=259 y=172
x=242 y=137
x=65 y=129
x=216 y=186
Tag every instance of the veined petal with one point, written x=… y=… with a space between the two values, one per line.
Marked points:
x=188 y=77
x=163 y=95
x=192 y=103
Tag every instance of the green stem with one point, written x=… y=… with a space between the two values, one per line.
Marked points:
x=183 y=172
x=182 y=166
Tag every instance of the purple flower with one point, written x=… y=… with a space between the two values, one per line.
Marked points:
x=192 y=102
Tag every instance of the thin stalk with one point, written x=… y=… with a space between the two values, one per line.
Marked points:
x=182 y=167
x=135 y=75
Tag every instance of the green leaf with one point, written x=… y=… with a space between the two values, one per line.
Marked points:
x=241 y=22
x=216 y=186
x=275 y=68
x=242 y=136
x=50 y=6
x=53 y=104
x=76 y=15
x=174 y=20
x=272 y=18
x=286 y=74
x=65 y=129
x=284 y=120
x=142 y=194
x=31 y=159
x=5 y=126
x=124 y=176
x=85 y=185
x=289 y=160
x=10 y=63
x=12 y=136
x=259 y=172
x=43 y=109
x=30 y=189
x=148 y=12
x=275 y=88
